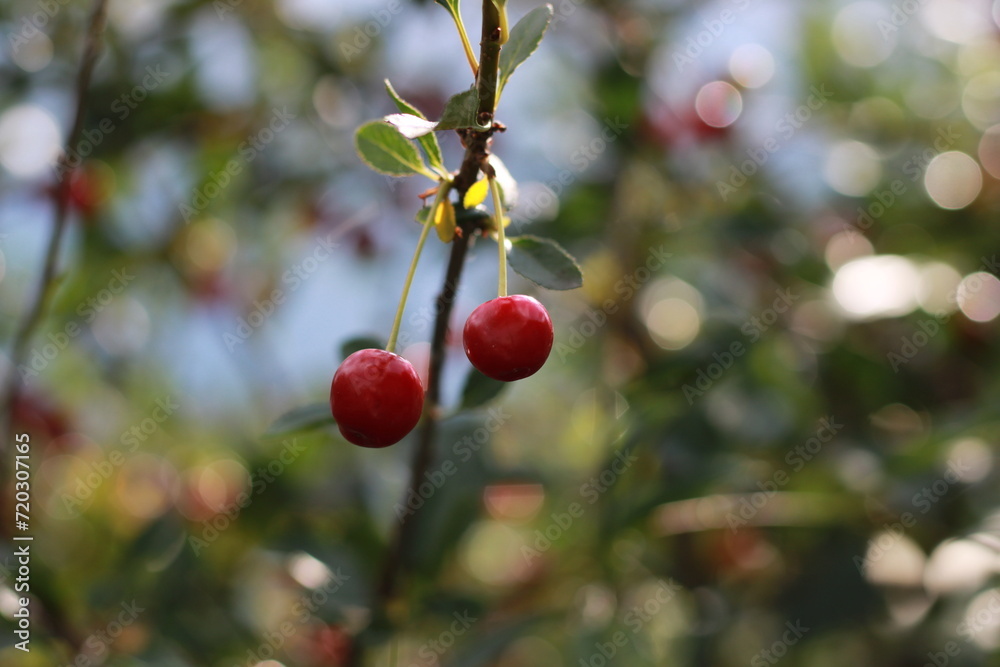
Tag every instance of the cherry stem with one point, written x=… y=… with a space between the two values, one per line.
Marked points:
x=469 y=53
x=442 y=193
x=501 y=240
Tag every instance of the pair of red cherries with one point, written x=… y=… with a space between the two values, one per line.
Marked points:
x=377 y=397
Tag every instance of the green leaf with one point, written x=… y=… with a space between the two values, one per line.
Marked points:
x=307 y=418
x=450 y=5
x=352 y=345
x=461 y=112
x=480 y=389
x=401 y=104
x=429 y=142
x=158 y=544
x=422 y=215
x=524 y=39
x=385 y=150
x=544 y=262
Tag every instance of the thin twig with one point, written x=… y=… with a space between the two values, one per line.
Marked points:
x=49 y=610
x=476 y=154
x=60 y=195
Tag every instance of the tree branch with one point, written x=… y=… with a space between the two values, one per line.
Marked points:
x=403 y=537
x=477 y=144
x=60 y=195
x=477 y=151
x=52 y=614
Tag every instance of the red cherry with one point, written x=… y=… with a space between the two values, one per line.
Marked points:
x=376 y=398
x=508 y=338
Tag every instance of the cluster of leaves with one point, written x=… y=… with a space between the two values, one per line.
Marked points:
x=405 y=144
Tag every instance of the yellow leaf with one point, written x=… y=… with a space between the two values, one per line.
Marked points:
x=444 y=221
x=476 y=195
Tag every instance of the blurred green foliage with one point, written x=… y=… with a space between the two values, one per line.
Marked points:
x=768 y=430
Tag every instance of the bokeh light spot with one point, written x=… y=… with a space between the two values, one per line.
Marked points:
x=146 y=486
x=953 y=180
x=209 y=245
x=894 y=560
x=308 y=570
x=673 y=311
x=958 y=21
x=979 y=296
x=960 y=566
x=751 y=65
x=989 y=151
x=718 y=103
x=875 y=287
x=852 y=168
x=35 y=54
x=857 y=37
x=973 y=458
x=981 y=100
x=845 y=246
x=220 y=484
x=29 y=140
x=938 y=286
x=492 y=553
x=981 y=615
x=513 y=502
x=673 y=323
